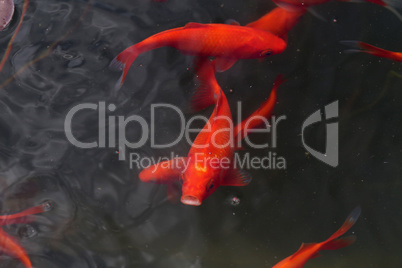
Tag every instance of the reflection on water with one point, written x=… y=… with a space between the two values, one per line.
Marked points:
x=103 y=216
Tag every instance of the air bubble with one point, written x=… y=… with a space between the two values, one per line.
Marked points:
x=47 y=205
x=27 y=231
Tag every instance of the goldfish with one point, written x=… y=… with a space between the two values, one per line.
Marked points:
x=8 y=244
x=311 y=250
x=376 y=51
x=221 y=41
x=278 y=21
x=209 y=163
x=294 y=5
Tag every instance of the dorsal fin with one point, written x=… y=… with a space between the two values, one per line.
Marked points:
x=194 y=25
x=232 y=22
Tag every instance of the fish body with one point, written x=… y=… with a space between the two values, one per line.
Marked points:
x=212 y=144
x=215 y=40
x=210 y=159
x=309 y=251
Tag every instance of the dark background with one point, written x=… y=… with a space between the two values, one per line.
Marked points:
x=105 y=217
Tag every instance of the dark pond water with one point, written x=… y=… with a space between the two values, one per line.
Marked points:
x=104 y=216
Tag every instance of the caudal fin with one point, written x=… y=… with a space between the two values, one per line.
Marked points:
x=257 y=118
x=123 y=62
x=208 y=91
x=349 y=222
x=369 y=49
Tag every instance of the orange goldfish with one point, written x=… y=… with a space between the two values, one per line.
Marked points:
x=209 y=161
x=8 y=244
x=309 y=251
x=376 y=51
x=215 y=40
x=278 y=21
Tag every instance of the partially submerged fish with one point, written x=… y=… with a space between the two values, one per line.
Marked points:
x=311 y=250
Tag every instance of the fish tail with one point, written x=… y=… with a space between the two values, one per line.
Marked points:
x=256 y=119
x=123 y=62
x=338 y=243
x=367 y=48
x=349 y=222
x=209 y=91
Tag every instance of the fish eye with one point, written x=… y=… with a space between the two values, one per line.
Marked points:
x=181 y=179
x=267 y=52
x=210 y=185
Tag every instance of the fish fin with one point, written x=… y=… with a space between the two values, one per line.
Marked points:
x=315 y=13
x=338 y=243
x=232 y=22
x=264 y=111
x=223 y=64
x=204 y=94
x=194 y=25
x=350 y=220
x=165 y=171
x=123 y=62
x=173 y=193
x=394 y=11
x=393 y=3
x=236 y=177
x=288 y=6
x=303 y=248
x=11 y=247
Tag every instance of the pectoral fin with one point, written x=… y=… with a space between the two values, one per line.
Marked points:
x=173 y=193
x=223 y=64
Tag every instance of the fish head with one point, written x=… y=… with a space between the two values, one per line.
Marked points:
x=272 y=45
x=197 y=186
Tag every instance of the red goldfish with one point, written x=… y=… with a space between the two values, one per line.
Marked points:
x=209 y=161
x=376 y=51
x=278 y=21
x=8 y=244
x=293 y=5
x=216 y=40
x=309 y=251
